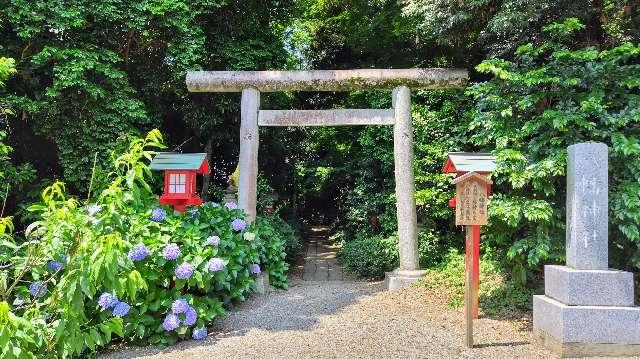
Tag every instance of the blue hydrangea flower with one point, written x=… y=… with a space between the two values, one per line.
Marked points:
x=171 y=322
x=171 y=251
x=190 y=317
x=38 y=289
x=138 y=252
x=193 y=211
x=54 y=265
x=158 y=214
x=121 y=309
x=213 y=240
x=94 y=209
x=255 y=268
x=179 y=306
x=213 y=204
x=215 y=264
x=199 y=333
x=107 y=300
x=231 y=205
x=238 y=224
x=184 y=271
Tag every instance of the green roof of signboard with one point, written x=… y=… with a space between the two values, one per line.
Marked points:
x=177 y=161
x=470 y=162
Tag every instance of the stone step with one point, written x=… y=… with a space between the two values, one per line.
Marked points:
x=586 y=324
x=589 y=287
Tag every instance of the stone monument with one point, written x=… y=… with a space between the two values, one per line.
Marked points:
x=587 y=309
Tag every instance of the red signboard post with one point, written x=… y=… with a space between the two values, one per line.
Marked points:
x=472 y=191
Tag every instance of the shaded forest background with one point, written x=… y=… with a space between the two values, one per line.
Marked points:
x=544 y=75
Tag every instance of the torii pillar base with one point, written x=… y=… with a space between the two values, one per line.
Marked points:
x=399 y=279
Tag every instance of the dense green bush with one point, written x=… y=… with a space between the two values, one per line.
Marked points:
x=369 y=256
x=555 y=93
x=122 y=265
x=285 y=233
x=498 y=295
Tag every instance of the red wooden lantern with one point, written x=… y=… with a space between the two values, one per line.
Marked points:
x=180 y=177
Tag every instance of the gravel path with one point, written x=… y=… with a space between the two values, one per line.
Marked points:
x=346 y=319
x=327 y=315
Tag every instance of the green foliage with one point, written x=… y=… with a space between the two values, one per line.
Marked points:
x=12 y=177
x=498 y=296
x=93 y=244
x=496 y=28
x=92 y=73
x=285 y=232
x=369 y=256
x=550 y=96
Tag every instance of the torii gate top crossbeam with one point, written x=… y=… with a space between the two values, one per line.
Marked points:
x=325 y=80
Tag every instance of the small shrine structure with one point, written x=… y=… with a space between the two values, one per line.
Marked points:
x=180 y=171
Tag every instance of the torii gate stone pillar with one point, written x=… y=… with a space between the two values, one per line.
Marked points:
x=251 y=83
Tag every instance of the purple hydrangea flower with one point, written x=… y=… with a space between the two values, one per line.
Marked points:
x=54 y=265
x=107 y=300
x=179 y=306
x=171 y=322
x=171 y=251
x=215 y=264
x=199 y=333
x=231 y=205
x=158 y=214
x=213 y=240
x=94 y=209
x=238 y=224
x=255 y=268
x=184 y=271
x=138 y=252
x=38 y=289
x=190 y=317
x=121 y=309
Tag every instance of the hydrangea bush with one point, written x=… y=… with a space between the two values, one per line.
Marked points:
x=123 y=266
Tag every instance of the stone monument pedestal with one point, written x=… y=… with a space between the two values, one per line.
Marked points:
x=587 y=309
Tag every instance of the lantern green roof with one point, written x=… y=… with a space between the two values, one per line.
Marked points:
x=177 y=161
x=469 y=162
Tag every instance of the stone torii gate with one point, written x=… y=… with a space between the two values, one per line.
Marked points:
x=251 y=83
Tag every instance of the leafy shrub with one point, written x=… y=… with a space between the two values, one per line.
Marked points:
x=371 y=256
x=121 y=265
x=553 y=94
x=498 y=295
x=286 y=233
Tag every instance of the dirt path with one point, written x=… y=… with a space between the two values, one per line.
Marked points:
x=323 y=318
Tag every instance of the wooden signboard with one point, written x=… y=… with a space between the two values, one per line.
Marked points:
x=471 y=199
